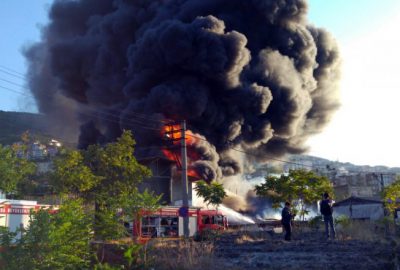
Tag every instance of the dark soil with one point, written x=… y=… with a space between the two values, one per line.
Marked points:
x=306 y=251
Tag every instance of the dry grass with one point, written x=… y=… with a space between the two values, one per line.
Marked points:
x=361 y=230
x=252 y=236
x=245 y=239
x=182 y=255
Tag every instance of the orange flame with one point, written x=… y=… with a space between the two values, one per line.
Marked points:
x=172 y=134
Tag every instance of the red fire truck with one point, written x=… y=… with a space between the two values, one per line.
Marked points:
x=166 y=222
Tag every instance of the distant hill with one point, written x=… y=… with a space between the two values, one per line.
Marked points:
x=323 y=163
x=14 y=124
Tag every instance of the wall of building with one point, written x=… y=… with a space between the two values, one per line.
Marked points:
x=361 y=184
x=363 y=211
x=160 y=181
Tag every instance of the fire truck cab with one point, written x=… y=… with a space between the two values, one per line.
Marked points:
x=166 y=222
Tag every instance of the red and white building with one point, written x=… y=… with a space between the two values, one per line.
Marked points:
x=15 y=214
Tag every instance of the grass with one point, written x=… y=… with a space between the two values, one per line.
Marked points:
x=179 y=254
x=182 y=255
x=365 y=230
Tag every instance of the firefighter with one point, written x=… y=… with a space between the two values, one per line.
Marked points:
x=287 y=217
x=326 y=210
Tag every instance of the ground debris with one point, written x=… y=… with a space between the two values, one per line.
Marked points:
x=306 y=251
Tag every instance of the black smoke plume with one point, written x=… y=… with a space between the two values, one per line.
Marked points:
x=252 y=75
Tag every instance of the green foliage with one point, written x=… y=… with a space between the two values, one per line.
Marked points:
x=212 y=193
x=51 y=241
x=135 y=256
x=315 y=222
x=72 y=175
x=13 y=170
x=343 y=221
x=300 y=187
x=9 y=254
x=106 y=266
x=112 y=214
x=391 y=196
x=100 y=172
x=107 y=176
x=134 y=204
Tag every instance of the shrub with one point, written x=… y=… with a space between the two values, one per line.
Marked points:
x=315 y=222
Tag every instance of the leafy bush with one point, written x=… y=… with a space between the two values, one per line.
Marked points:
x=343 y=221
x=315 y=222
x=51 y=241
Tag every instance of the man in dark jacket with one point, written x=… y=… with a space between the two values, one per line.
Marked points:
x=326 y=210
x=287 y=217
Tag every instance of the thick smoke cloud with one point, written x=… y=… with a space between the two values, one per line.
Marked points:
x=253 y=75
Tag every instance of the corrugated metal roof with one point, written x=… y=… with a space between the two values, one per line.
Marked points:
x=358 y=200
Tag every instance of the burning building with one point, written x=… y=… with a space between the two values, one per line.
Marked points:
x=247 y=76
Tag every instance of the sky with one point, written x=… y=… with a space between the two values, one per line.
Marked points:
x=364 y=131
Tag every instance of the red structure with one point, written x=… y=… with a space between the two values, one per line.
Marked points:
x=166 y=222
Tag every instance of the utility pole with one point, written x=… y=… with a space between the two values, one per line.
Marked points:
x=382 y=182
x=185 y=200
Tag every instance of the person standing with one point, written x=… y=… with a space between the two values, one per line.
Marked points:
x=287 y=217
x=326 y=210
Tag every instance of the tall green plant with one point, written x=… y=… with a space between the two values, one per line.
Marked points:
x=391 y=196
x=212 y=193
x=52 y=241
x=300 y=187
x=105 y=176
x=13 y=170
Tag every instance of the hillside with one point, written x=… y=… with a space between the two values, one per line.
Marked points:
x=14 y=124
x=321 y=163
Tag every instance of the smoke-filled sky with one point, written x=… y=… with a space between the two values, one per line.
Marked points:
x=363 y=130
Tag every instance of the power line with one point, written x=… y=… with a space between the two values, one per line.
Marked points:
x=13 y=83
x=15 y=91
x=135 y=114
x=11 y=74
x=140 y=117
x=9 y=123
x=114 y=120
x=133 y=123
x=11 y=70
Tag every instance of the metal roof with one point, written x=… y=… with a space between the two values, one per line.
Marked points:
x=357 y=201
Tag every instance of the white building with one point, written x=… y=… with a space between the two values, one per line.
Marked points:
x=359 y=208
x=15 y=214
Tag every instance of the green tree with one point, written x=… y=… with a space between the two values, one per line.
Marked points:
x=212 y=193
x=13 y=170
x=391 y=196
x=123 y=208
x=300 y=187
x=107 y=176
x=58 y=240
x=100 y=172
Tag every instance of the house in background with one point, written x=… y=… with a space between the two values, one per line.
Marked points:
x=359 y=208
x=361 y=184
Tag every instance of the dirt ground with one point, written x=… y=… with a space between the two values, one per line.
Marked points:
x=307 y=250
x=357 y=249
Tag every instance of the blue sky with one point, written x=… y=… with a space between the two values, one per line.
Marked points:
x=20 y=21
x=350 y=19
x=363 y=131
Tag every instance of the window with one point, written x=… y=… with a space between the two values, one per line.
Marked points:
x=169 y=227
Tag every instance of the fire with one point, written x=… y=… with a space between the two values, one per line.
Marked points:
x=172 y=135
